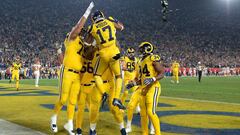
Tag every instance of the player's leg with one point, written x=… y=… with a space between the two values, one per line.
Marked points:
x=173 y=77
x=117 y=113
x=134 y=101
x=177 y=78
x=99 y=69
x=37 y=79
x=124 y=96
x=72 y=102
x=144 y=116
x=81 y=106
x=17 y=82
x=151 y=104
x=64 y=88
x=95 y=103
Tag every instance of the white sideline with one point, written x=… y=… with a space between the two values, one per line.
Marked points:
x=198 y=100
x=9 y=128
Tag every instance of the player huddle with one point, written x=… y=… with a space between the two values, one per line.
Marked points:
x=92 y=74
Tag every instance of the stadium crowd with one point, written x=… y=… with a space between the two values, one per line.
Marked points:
x=193 y=33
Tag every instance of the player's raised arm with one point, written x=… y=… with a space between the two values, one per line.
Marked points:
x=78 y=27
x=118 y=25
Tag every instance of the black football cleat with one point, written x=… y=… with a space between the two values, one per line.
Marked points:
x=92 y=132
x=123 y=131
x=79 y=131
x=118 y=103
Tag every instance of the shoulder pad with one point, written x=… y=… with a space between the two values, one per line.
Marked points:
x=155 y=58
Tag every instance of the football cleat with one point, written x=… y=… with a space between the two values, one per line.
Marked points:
x=53 y=124
x=92 y=132
x=69 y=127
x=123 y=131
x=118 y=103
x=79 y=131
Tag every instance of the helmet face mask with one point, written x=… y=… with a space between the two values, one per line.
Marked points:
x=97 y=16
x=131 y=53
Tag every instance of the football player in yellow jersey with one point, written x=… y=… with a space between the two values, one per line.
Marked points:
x=175 y=70
x=15 y=71
x=151 y=72
x=87 y=85
x=130 y=72
x=69 y=75
x=104 y=32
x=97 y=96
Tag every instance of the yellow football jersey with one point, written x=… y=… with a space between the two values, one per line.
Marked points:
x=131 y=68
x=16 y=67
x=146 y=67
x=72 y=57
x=175 y=65
x=87 y=70
x=104 y=32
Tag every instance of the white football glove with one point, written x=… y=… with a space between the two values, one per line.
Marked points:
x=148 y=81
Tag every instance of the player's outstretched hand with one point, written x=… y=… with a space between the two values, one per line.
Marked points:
x=129 y=86
x=118 y=103
x=104 y=99
x=91 y=5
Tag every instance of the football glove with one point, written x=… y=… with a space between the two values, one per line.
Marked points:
x=118 y=103
x=104 y=99
x=148 y=81
x=130 y=85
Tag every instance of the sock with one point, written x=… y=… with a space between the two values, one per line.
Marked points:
x=93 y=126
x=54 y=119
x=121 y=125
x=129 y=123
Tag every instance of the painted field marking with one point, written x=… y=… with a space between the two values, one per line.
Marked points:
x=198 y=100
x=8 y=128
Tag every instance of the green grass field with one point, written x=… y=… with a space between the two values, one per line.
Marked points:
x=199 y=108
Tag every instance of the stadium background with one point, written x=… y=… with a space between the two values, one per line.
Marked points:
x=206 y=31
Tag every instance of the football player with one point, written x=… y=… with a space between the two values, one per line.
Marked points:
x=15 y=71
x=151 y=72
x=87 y=85
x=69 y=75
x=130 y=71
x=104 y=32
x=36 y=71
x=175 y=70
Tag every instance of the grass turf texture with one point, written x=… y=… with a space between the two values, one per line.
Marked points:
x=26 y=109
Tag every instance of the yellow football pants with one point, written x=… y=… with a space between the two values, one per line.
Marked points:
x=148 y=105
x=134 y=101
x=84 y=98
x=175 y=75
x=96 y=103
x=109 y=58
x=15 y=75
x=69 y=90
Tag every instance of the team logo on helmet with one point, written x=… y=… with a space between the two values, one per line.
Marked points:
x=146 y=48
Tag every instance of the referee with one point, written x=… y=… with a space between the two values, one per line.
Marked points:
x=200 y=69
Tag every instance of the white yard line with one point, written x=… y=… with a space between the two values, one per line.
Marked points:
x=198 y=100
x=9 y=128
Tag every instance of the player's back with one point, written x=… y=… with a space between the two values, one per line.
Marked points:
x=104 y=33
